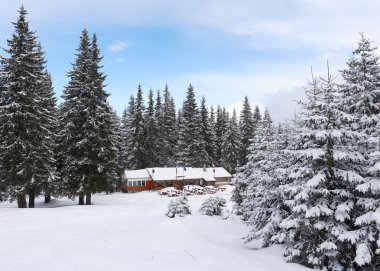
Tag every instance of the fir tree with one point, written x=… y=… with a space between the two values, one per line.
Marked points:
x=138 y=140
x=263 y=206
x=191 y=144
x=361 y=97
x=87 y=136
x=231 y=146
x=256 y=116
x=327 y=169
x=222 y=119
x=208 y=134
x=168 y=131
x=26 y=117
x=246 y=130
x=212 y=144
x=150 y=132
x=159 y=132
x=127 y=160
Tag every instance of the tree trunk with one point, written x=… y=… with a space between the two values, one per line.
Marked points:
x=31 y=199
x=47 y=198
x=81 y=199
x=21 y=201
x=88 y=199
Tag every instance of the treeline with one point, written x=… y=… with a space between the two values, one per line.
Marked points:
x=313 y=184
x=154 y=134
x=81 y=146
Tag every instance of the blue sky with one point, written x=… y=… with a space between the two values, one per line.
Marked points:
x=226 y=49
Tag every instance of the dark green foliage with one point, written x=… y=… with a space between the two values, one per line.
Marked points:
x=208 y=132
x=88 y=138
x=231 y=146
x=27 y=117
x=247 y=127
x=150 y=133
x=191 y=145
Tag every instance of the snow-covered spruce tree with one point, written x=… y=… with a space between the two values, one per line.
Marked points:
x=26 y=117
x=213 y=206
x=263 y=205
x=256 y=116
x=150 y=132
x=246 y=173
x=159 y=133
x=179 y=206
x=322 y=210
x=191 y=145
x=127 y=131
x=246 y=130
x=212 y=144
x=361 y=96
x=168 y=130
x=208 y=133
x=231 y=146
x=88 y=142
x=138 y=139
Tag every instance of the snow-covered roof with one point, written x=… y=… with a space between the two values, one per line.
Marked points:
x=172 y=173
x=137 y=174
x=221 y=172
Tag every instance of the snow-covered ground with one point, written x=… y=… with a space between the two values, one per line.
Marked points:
x=127 y=232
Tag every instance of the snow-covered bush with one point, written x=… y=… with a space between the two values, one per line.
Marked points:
x=179 y=206
x=213 y=206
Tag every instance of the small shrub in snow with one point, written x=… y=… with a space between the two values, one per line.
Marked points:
x=213 y=206
x=179 y=206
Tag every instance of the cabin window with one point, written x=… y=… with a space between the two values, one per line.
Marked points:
x=136 y=183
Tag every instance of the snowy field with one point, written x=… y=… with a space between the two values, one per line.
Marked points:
x=127 y=232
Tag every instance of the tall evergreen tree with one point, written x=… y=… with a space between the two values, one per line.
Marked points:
x=246 y=129
x=191 y=144
x=87 y=136
x=127 y=160
x=150 y=133
x=26 y=117
x=263 y=206
x=159 y=137
x=256 y=116
x=138 y=138
x=169 y=130
x=327 y=168
x=208 y=134
x=361 y=97
x=212 y=144
x=231 y=145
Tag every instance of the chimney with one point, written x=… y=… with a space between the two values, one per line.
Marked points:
x=204 y=167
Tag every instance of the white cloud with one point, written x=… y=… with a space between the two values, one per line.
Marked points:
x=118 y=46
x=118 y=60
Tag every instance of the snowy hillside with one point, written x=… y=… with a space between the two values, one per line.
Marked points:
x=127 y=232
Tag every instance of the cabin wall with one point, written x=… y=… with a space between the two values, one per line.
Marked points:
x=148 y=186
